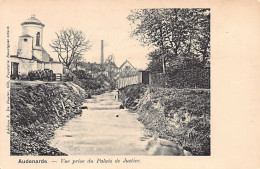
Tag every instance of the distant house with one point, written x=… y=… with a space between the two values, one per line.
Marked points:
x=128 y=75
x=30 y=54
x=111 y=66
x=127 y=69
x=110 y=69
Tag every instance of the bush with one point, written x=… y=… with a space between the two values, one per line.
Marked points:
x=45 y=75
x=130 y=95
x=179 y=115
x=82 y=74
x=188 y=78
x=36 y=111
x=24 y=76
x=96 y=85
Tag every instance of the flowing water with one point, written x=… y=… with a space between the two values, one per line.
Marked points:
x=102 y=129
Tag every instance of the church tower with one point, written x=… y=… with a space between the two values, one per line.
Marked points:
x=30 y=43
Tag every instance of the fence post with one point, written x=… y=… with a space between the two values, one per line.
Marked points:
x=149 y=86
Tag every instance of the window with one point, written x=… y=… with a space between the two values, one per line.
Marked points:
x=38 y=39
x=25 y=40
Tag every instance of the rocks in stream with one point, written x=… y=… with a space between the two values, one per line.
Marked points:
x=84 y=107
x=121 y=107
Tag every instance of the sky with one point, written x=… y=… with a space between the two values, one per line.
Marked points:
x=98 y=20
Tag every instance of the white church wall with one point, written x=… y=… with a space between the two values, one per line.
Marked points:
x=25 y=47
x=32 y=29
x=54 y=66
x=47 y=65
x=27 y=65
x=24 y=65
x=37 y=54
x=28 y=48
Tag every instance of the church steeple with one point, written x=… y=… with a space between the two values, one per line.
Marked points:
x=33 y=28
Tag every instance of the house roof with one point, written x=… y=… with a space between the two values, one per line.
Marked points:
x=33 y=20
x=126 y=63
x=112 y=64
x=33 y=58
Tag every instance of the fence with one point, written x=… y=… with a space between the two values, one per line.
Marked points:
x=127 y=81
x=178 y=78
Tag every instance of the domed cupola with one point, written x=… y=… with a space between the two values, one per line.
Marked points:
x=34 y=28
x=33 y=20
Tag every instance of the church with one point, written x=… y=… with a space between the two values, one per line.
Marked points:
x=30 y=53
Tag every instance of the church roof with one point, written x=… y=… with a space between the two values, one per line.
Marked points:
x=33 y=20
x=44 y=51
x=25 y=35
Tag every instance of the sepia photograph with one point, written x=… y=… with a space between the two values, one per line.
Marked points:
x=78 y=92
x=129 y=84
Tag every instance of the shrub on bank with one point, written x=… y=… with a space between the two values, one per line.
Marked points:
x=130 y=95
x=93 y=86
x=36 y=111
x=179 y=115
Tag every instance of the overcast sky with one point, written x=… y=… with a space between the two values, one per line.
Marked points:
x=98 y=20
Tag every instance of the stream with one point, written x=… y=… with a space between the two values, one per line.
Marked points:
x=102 y=129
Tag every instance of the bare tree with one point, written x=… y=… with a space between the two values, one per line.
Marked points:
x=110 y=61
x=70 y=45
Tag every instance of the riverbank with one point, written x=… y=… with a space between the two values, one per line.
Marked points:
x=37 y=110
x=178 y=115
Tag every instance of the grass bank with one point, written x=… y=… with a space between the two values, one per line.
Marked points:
x=179 y=115
x=37 y=110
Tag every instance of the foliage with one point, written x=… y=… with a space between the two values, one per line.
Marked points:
x=176 y=34
x=179 y=115
x=93 y=85
x=45 y=75
x=130 y=95
x=155 y=64
x=81 y=74
x=24 y=76
x=188 y=78
x=182 y=78
x=111 y=69
x=36 y=111
x=92 y=68
x=70 y=45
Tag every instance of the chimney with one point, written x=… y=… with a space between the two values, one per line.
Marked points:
x=102 y=52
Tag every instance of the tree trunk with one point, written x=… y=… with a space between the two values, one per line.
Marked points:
x=163 y=63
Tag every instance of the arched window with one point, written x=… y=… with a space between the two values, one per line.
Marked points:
x=38 y=39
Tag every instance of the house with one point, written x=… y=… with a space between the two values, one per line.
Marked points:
x=127 y=69
x=128 y=75
x=110 y=69
x=30 y=54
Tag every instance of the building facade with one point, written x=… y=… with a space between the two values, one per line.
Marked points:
x=30 y=53
x=127 y=69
